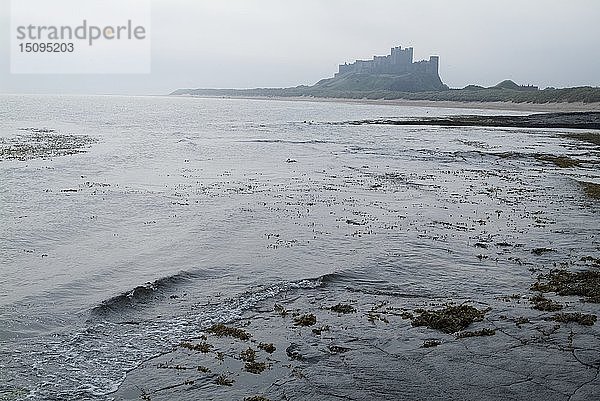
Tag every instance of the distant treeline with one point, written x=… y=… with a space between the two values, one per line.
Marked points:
x=584 y=94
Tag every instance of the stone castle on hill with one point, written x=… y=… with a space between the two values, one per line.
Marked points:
x=399 y=61
x=396 y=72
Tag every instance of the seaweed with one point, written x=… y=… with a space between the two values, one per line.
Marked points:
x=576 y=317
x=305 y=320
x=267 y=347
x=431 y=343
x=174 y=367
x=220 y=330
x=321 y=329
x=450 y=319
x=223 y=380
x=42 y=143
x=477 y=333
x=591 y=189
x=560 y=161
x=203 y=347
x=280 y=310
x=255 y=367
x=256 y=398
x=541 y=251
x=343 y=308
x=336 y=349
x=590 y=259
x=248 y=355
x=584 y=283
x=508 y=298
x=372 y=317
x=544 y=304
x=293 y=353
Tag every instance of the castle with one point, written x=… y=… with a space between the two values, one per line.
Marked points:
x=399 y=61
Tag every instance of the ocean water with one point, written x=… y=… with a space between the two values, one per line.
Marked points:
x=176 y=213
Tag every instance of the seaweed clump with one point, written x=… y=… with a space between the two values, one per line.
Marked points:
x=223 y=380
x=255 y=367
x=280 y=310
x=43 y=143
x=577 y=317
x=560 y=161
x=591 y=259
x=256 y=398
x=477 y=333
x=248 y=355
x=305 y=320
x=592 y=190
x=336 y=349
x=584 y=283
x=343 y=308
x=431 y=343
x=544 y=304
x=202 y=347
x=251 y=365
x=541 y=251
x=450 y=319
x=267 y=347
x=220 y=330
x=320 y=330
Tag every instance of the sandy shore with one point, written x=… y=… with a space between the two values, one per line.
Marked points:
x=509 y=106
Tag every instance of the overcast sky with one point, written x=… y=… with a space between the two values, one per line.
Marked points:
x=274 y=43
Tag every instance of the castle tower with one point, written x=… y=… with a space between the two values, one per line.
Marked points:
x=434 y=65
x=394 y=54
x=409 y=55
x=401 y=56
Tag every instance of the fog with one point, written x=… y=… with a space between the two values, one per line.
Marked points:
x=274 y=43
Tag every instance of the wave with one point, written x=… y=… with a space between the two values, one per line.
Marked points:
x=142 y=294
x=150 y=292
x=365 y=284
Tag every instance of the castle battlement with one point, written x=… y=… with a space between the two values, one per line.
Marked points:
x=399 y=61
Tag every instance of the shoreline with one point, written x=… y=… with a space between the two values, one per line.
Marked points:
x=508 y=106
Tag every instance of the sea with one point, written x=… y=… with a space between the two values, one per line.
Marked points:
x=129 y=224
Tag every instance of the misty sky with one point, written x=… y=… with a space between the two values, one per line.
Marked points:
x=273 y=43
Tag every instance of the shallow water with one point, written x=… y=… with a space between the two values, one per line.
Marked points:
x=183 y=212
